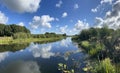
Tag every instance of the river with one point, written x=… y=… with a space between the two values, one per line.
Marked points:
x=43 y=58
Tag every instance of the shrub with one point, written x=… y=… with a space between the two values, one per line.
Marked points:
x=95 y=49
x=104 y=66
x=21 y=35
x=85 y=44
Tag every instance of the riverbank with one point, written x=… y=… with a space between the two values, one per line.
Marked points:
x=102 y=46
x=10 y=40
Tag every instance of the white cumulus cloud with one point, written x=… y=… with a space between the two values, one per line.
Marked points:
x=101 y=6
x=21 y=24
x=94 y=10
x=80 y=25
x=59 y=4
x=22 y=6
x=112 y=18
x=76 y=6
x=43 y=21
x=106 y=1
x=64 y=14
x=64 y=29
x=3 y=18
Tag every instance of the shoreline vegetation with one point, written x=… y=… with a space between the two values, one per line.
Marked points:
x=20 y=44
x=103 y=47
x=10 y=40
x=15 y=34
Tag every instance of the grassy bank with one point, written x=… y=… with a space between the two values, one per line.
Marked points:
x=10 y=40
x=102 y=46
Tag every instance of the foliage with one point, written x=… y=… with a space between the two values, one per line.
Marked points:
x=104 y=32
x=64 y=68
x=85 y=44
x=4 y=40
x=92 y=49
x=96 y=33
x=105 y=36
x=2 y=26
x=104 y=66
x=21 y=35
x=95 y=49
x=9 y=30
x=117 y=68
x=48 y=35
x=101 y=43
x=84 y=35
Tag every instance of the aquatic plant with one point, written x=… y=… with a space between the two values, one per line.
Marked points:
x=64 y=68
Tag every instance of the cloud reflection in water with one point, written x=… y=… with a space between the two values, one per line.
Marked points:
x=65 y=43
x=43 y=51
x=3 y=55
x=21 y=67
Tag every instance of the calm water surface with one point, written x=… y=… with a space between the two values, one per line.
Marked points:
x=43 y=58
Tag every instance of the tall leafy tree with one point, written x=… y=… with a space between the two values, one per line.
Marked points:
x=8 y=31
x=2 y=26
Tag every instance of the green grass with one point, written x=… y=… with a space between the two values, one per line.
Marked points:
x=9 y=40
x=104 y=66
x=5 y=40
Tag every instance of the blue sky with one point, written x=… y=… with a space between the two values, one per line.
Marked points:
x=60 y=16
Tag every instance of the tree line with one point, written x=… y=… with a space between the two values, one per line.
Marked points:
x=16 y=32
x=46 y=35
x=95 y=33
x=10 y=30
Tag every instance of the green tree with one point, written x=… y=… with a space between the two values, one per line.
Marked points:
x=84 y=35
x=8 y=31
x=2 y=26
x=21 y=35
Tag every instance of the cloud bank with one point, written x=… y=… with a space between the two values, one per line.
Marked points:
x=22 y=6
x=112 y=18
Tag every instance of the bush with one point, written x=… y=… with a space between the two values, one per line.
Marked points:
x=85 y=44
x=104 y=66
x=95 y=49
x=21 y=35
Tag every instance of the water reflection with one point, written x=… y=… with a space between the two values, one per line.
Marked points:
x=65 y=43
x=3 y=56
x=21 y=67
x=13 y=47
x=43 y=51
x=42 y=55
x=68 y=53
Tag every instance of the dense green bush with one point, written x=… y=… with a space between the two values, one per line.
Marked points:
x=85 y=44
x=98 y=33
x=21 y=35
x=104 y=66
x=92 y=49
x=95 y=49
